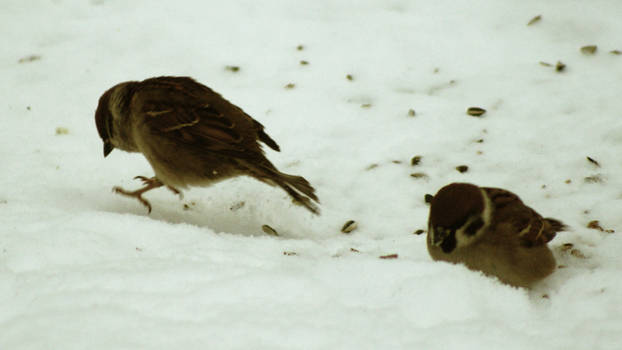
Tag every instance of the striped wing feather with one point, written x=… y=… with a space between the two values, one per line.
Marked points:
x=530 y=227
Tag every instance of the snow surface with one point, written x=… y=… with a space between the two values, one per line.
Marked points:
x=83 y=268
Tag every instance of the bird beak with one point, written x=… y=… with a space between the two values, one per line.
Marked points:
x=439 y=235
x=108 y=147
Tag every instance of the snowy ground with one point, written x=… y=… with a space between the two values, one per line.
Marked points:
x=82 y=268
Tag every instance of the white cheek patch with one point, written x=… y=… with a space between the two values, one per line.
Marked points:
x=462 y=237
x=487 y=213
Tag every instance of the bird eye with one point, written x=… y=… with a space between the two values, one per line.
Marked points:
x=472 y=228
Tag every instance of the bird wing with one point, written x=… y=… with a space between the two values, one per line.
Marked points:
x=195 y=115
x=530 y=227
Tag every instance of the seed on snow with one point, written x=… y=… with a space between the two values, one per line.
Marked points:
x=428 y=198
x=349 y=226
x=475 y=111
x=593 y=161
x=589 y=49
x=534 y=20
x=419 y=175
x=415 y=160
x=462 y=168
x=269 y=230
x=390 y=256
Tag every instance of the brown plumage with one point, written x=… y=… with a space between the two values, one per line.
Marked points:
x=493 y=231
x=191 y=136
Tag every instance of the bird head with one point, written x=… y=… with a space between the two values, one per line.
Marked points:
x=112 y=118
x=459 y=214
x=103 y=121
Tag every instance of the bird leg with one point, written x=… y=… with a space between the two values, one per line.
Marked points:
x=150 y=183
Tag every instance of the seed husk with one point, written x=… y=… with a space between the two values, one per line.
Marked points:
x=560 y=67
x=534 y=20
x=428 y=198
x=593 y=179
x=189 y=205
x=290 y=86
x=349 y=226
x=419 y=175
x=476 y=111
x=389 y=256
x=595 y=224
x=30 y=58
x=237 y=206
x=418 y=232
x=62 y=131
x=462 y=168
x=304 y=63
x=349 y=77
x=577 y=253
x=589 y=49
x=566 y=247
x=269 y=230
x=411 y=112
x=593 y=161
x=415 y=160
x=233 y=69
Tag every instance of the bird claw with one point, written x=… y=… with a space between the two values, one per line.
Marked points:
x=135 y=194
x=147 y=180
x=150 y=183
x=176 y=191
x=153 y=181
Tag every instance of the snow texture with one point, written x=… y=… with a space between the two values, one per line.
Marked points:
x=83 y=268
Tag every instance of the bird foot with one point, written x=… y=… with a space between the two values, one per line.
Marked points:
x=150 y=183
x=136 y=194
x=153 y=181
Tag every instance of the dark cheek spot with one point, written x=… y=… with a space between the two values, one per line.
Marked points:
x=449 y=243
x=473 y=227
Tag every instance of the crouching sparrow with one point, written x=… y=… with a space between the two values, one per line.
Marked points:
x=493 y=231
x=191 y=136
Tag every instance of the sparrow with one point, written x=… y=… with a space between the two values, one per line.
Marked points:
x=191 y=136
x=491 y=230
